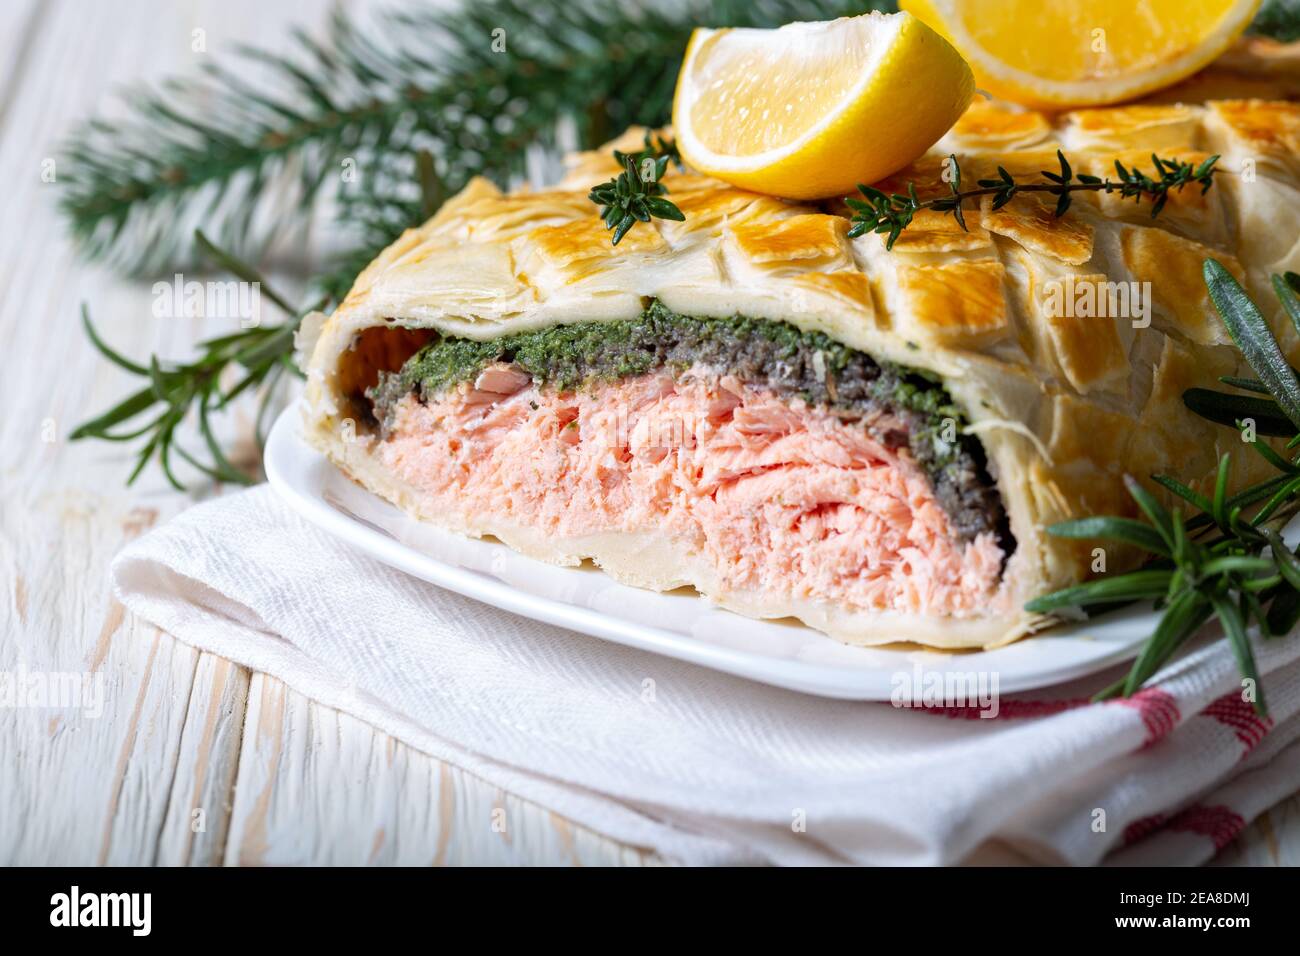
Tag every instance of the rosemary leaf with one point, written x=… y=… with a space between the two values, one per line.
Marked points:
x=1251 y=333
x=1216 y=562
x=264 y=353
x=1235 y=630
x=1246 y=384
x=1235 y=563
x=1181 y=619
x=1218 y=505
x=1196 y=499
x=1153 y=509
x=1280 y=497
x=1286 y=293
x=1134 y=586
x=104 y=350
x=1265 y=451
x=1114 y=529
x=1225 y=408
x=239 y=269
x=1287 y=563
x=124 y=410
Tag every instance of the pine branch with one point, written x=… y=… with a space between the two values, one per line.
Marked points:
x=474 y=86
x=379 y=210
x=1279 y=19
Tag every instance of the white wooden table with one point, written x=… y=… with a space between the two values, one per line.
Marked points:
x=277 y=778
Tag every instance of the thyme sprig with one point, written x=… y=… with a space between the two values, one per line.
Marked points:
x=657 y=146
x=890 y=213
x=172 y=391
x=1215 y=555
x=636 y=194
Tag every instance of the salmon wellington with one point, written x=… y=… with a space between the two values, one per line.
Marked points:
x=801 y=424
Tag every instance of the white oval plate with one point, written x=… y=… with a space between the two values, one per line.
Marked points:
x=679 y=625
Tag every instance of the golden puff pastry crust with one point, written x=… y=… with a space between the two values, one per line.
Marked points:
x=1064 y=403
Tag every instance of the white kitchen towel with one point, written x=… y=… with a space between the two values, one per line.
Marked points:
x=712 y=768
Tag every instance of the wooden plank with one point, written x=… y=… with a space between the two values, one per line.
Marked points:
x=318 y=786
x=89 y=789
x=203 y=788
x=77 y=765
x=19 y=24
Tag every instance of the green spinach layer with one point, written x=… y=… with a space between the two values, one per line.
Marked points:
x=777 y=355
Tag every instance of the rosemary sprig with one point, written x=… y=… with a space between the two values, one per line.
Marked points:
x=890 y=213
x=636 y=194
x=261 y=356
x=264 y=354
x=1209 y=558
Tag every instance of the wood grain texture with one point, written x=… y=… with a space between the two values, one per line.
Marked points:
x=380 y=801
x=193 y=760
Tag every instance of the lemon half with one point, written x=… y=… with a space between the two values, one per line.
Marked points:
x=809 y=110
x=1053 y=55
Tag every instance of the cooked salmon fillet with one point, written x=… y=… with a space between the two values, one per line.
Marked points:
x=777 y=496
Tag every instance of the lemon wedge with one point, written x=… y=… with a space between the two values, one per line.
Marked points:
x=1054 y=55
x=809 y=110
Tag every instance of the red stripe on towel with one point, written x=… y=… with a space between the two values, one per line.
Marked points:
x=1220 y=823
x=1010 y=708
x=1231 y=711
x=1158 y=710
x=1143 y=827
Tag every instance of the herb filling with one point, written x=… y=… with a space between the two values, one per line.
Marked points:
x=776 y=355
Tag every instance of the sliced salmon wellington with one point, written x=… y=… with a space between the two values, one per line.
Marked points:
x=873 y=439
